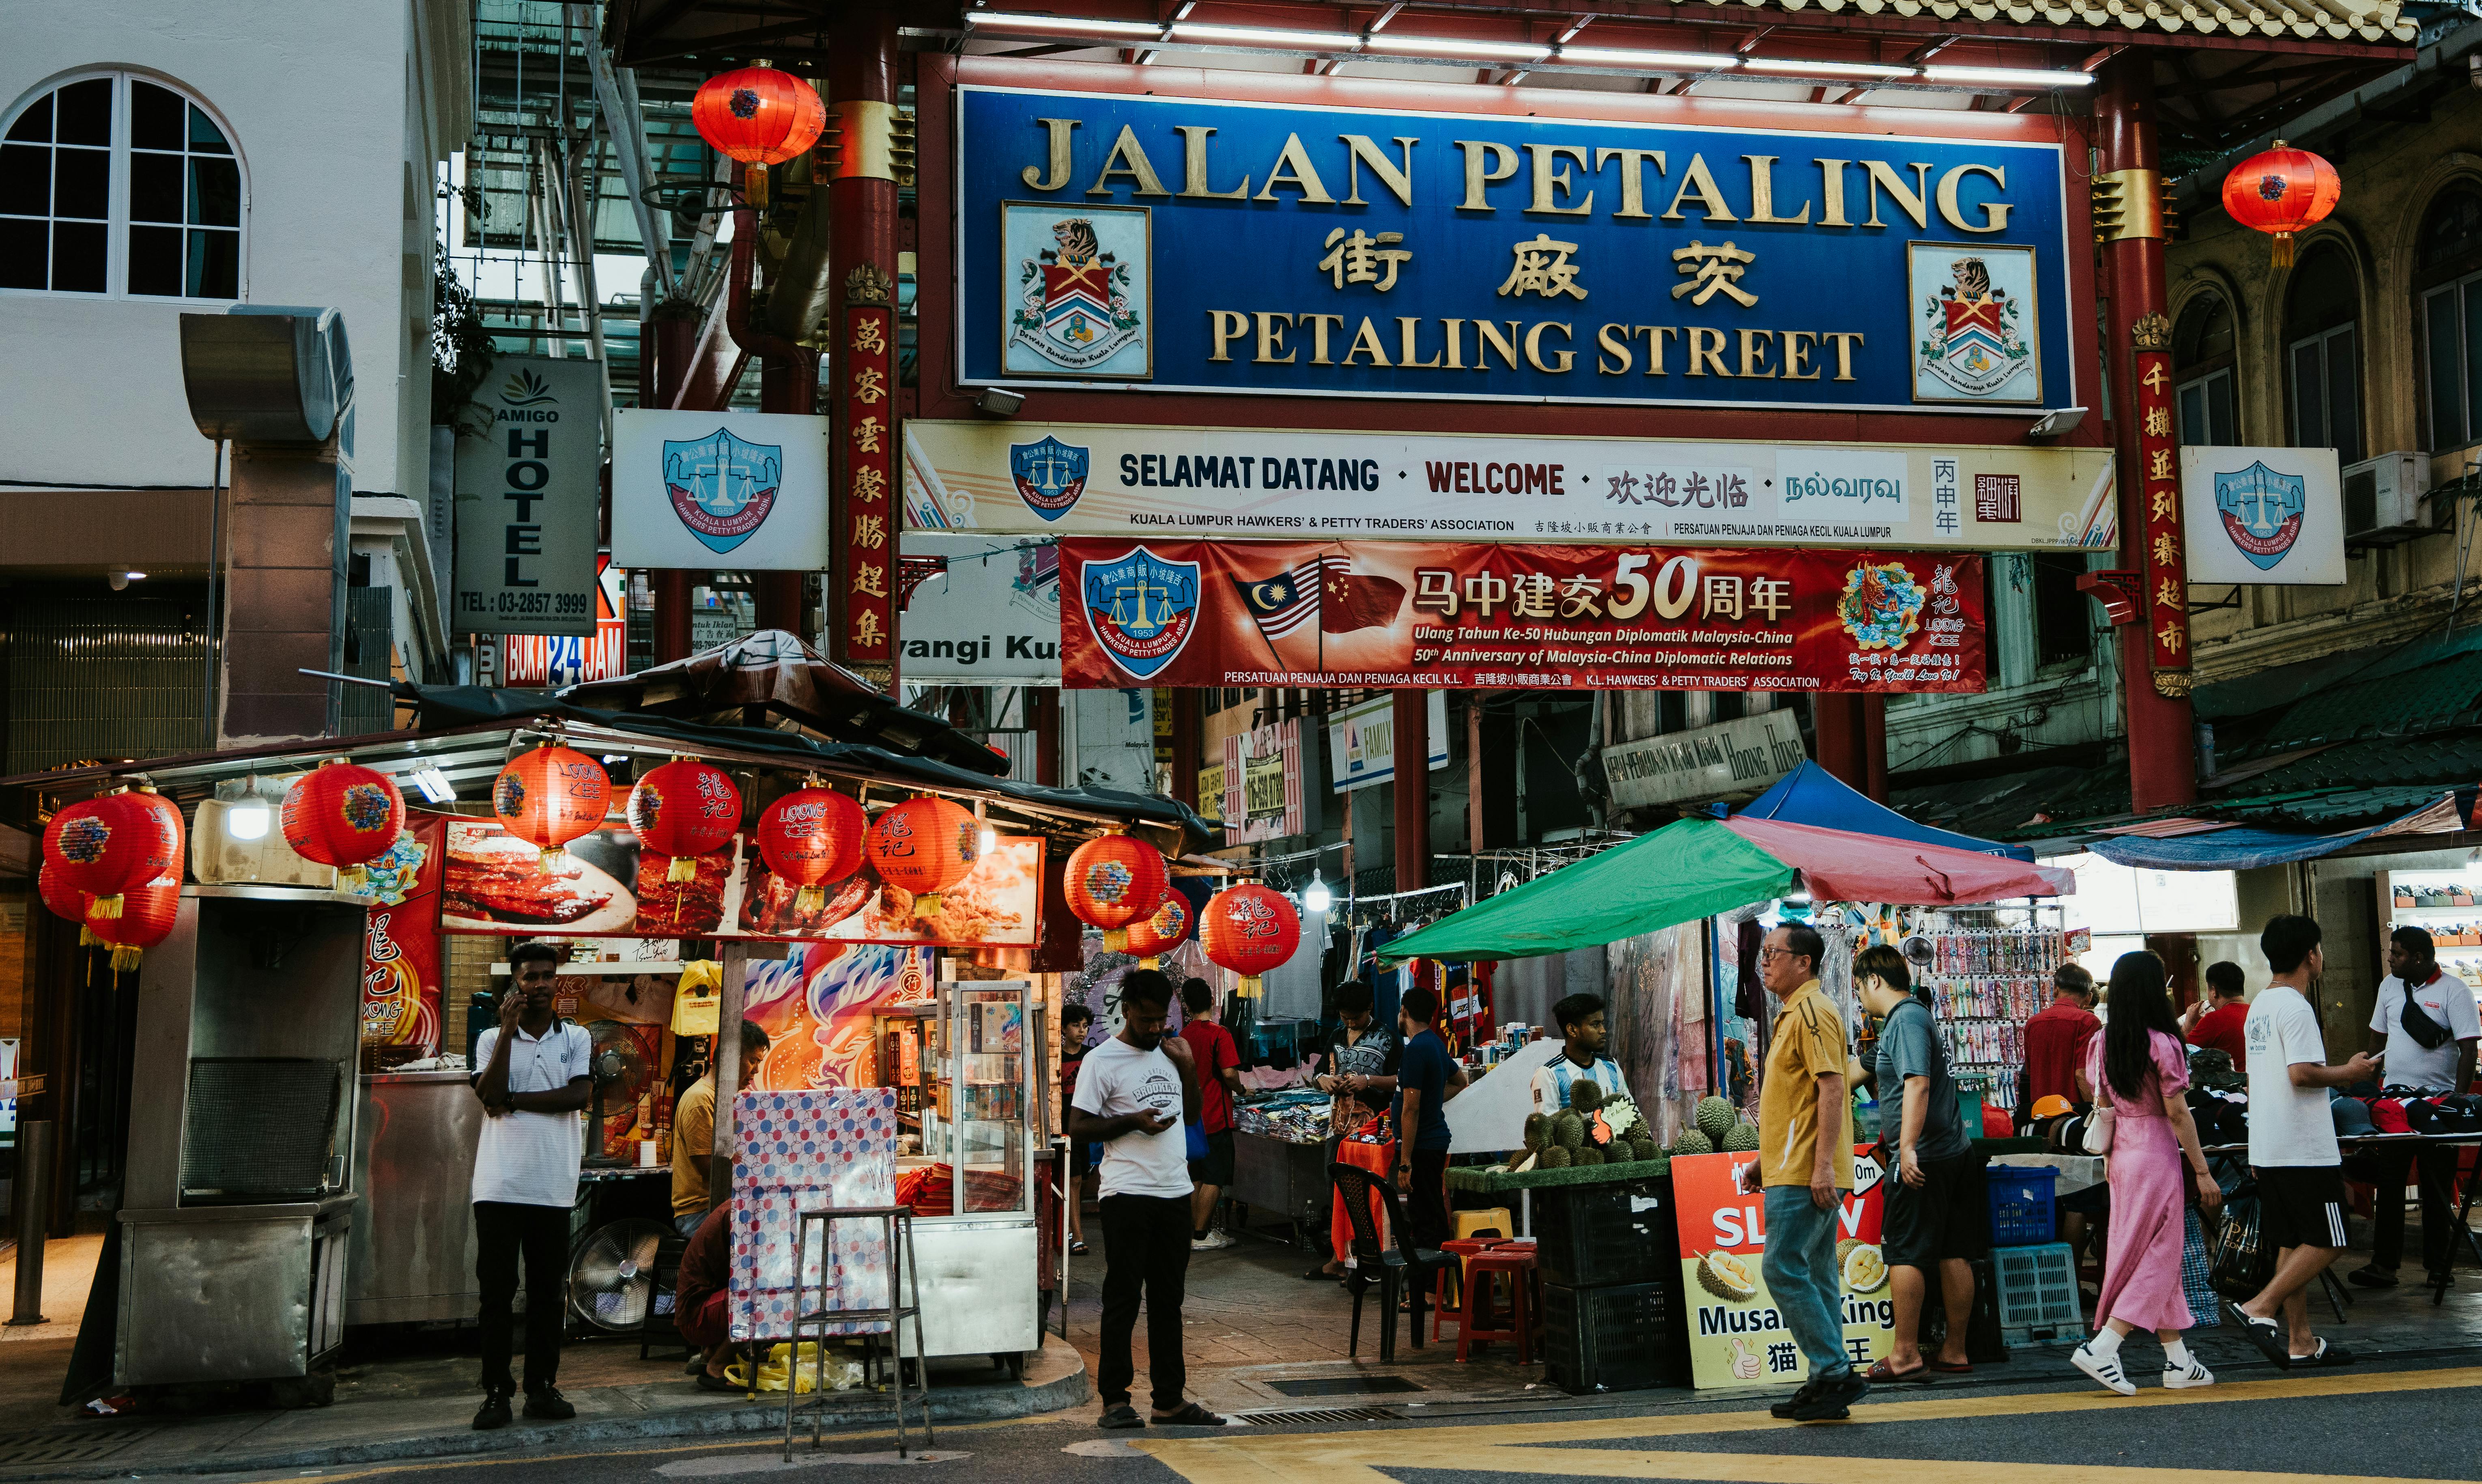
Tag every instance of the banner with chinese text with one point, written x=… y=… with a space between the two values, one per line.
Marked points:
x=400 y=968
x=1738 y=1336
x=1542 y=616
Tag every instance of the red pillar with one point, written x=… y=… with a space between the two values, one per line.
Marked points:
x=861 y=254
x=2155 y=652
x=1042 y=714
x=1412 y=788
x=1874 y=745
x=675 y=345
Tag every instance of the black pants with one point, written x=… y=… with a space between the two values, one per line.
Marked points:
x=1146 y=1246
x=1426 y=1208
x=502 y=1230
x=2438 y=1216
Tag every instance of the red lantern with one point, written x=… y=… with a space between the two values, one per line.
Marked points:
x=146 y=920
x=1160 y=934
x=925 y=846
x=812 y=838
x=1248 y=930
x=2282 y=191
x=1114 y=881
x=65 y=901
x=110 y=845
x=684 y=809
x=760 y=117
x=343 y=815
x=551 y=796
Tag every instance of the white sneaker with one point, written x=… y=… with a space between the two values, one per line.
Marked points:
x=2180 y=1378
x=2104 y=1368
x=1210 y=1242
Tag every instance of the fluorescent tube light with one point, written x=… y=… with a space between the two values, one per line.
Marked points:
x=1016 y=20
x=2026 y=77
x=1265 y=35
x=1824 y=68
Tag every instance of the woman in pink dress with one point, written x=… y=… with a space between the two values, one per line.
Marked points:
x=2139 y=1069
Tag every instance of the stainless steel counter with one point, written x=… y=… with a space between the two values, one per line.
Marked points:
x=413 y=1232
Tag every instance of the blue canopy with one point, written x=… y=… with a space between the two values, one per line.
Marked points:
x=1810 y=795
x=2238 y=849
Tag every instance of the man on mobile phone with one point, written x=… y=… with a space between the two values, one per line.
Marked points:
x=2425 y=1024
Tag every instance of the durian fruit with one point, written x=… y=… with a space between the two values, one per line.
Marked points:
x=1585 y=1095
x=1589 y=1155
x=1844 y=1249
x=1569 y=1130
x=1538 y=1130
x=1865 y=1270
x=1692 y=1142
x=1637 y=1130
x=1727 y=1277
x=1742 y=1138
x=1642 y=1150
x=1716 y=1116
x=1556 y=1158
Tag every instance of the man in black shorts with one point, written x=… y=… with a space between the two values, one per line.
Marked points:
x=1938 y=1216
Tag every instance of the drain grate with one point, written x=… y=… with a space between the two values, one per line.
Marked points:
x=1343 y=1385
x=68 y=1444
x=1321 y=1416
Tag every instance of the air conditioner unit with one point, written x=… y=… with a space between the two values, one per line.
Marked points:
x=2383 y=499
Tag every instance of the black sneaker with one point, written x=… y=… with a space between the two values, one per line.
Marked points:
x=494 y=1412
x=1834 y=1400
x=1786 y=1408
x=2442 y=1280
x=2372 y=1276
x=549 y=1406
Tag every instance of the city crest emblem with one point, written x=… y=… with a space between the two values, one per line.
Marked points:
x=1142 y=609
x=1049 y=476
x=722 y=487
x=2262 y=512
x=1973 y=324
x=1081 y=289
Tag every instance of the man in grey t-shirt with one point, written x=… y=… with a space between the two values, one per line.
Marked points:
x=1937 y=1215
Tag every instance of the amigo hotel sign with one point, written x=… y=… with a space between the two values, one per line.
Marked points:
x=1188 y=245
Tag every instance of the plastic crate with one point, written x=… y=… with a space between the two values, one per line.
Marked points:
x=1620 y=1337
x=2023 y=1213
x=2038 y=1290
x=1589 y=1236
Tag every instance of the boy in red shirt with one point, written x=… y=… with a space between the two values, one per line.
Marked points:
x=2219 y=1019
x=1219 y=1081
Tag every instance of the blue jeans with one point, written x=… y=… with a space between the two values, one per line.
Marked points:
x=1798 y=1264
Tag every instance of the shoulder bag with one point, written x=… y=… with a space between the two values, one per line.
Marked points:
x=2426 y=1032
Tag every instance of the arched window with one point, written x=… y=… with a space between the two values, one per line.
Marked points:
x=2323 y=354
x=2202 y=368
x=119 y=184
x=2447 y=307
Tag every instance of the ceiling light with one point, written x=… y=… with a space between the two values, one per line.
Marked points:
x=1514 y=51
x=1014 y=20
x=1317 y=897
x=1262 y=36
x=435 y=785
x=2015 y=76
x=1826 y=68
x=1605 y=56
x=248 y=819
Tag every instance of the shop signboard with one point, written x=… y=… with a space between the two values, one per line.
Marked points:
x=1361 y=742
x=817 y=1005
x=1737 y=1336
x=978 y=610
x=402 y=981
x=560 y=660
x=1094 y=479
x=2264 y=515
x=1210 y=793
x=1262 y=784
x=744 y=490
x=1402 y=614
x=1187 y=243
x=528 y=496
x=1740 y=757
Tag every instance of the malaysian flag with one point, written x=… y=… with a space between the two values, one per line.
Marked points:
x=1285 y=602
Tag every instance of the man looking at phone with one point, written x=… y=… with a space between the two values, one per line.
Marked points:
x=2425 y=1026
x=1133 y=1093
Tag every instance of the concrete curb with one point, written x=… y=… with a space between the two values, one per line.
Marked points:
x=980 y=1404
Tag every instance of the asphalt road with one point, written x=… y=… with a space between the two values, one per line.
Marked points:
x=2419 y=1421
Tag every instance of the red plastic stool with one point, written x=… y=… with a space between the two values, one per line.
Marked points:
x=1474 y=1324
x=1464 y=1250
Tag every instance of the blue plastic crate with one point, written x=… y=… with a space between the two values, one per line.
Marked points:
x=2021 y=1210
x=2038 y=1289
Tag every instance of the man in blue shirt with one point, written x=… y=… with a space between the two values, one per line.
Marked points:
x=1427 y=1078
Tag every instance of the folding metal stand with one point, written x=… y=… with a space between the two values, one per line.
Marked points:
x=2460 y=1234
x=897 y=1223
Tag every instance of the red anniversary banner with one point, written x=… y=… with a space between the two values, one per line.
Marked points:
x=1585 y=618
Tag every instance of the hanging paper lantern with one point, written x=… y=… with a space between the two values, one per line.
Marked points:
x=145 y=920
x=812 y=838
x=2282 y=191
x=551 y=796
x=1248 y=930
x=1114 y=881
x=112 y=844
x=343 y=815
x=760 y=117
x=925 y=846
x=1154 y=937
x=65 y=901
x=684 y=809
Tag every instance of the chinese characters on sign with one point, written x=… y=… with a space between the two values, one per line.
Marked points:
x=1362 y=258
x=2166 y=566
x=864 y=630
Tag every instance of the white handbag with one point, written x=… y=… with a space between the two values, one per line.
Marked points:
x=2098 y=1130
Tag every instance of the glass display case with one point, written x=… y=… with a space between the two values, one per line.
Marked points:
x=2441 y=902
x=981 y=1089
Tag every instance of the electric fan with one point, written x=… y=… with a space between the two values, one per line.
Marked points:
x=612 y=1275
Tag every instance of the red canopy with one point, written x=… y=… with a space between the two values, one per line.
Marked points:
x=1841 y=867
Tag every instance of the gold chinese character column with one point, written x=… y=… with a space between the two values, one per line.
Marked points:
x=866 y=525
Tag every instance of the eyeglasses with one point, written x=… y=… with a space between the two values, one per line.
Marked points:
x=1770 y=955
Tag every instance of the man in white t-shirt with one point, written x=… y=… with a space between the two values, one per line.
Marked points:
x=532 y=1074
x=2443 y=1016
x=2293 y=1146
x=1133 y=1093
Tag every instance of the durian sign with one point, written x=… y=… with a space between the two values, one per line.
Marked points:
x=1738 y=1336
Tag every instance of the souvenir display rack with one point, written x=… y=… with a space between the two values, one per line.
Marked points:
x=1984 y=984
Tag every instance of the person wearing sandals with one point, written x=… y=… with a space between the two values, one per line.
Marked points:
x=2138 y=1071
x=2292 y=1148
x=1937 y=1217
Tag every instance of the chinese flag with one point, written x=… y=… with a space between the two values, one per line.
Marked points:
x=1349 y=600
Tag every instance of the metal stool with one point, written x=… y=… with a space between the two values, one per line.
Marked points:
x=1517 y=1263
x=897 y=1223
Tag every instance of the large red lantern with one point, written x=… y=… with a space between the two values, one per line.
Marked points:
x=2282 y=190
x=925 y=846
x=65 y=901
x=1158 y=935
x=113 y=844
x=343 y=815
x=1248 y=930
x=145 y=920
x=684 y=809
x=760 y=117
x=550 y=796
x=812 y=838
x=1114 y=881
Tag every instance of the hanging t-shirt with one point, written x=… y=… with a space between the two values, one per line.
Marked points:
x=1118 y=1078
x=2289 y=1126
x=2449 y=1001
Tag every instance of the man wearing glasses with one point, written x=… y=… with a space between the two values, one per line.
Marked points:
x=1806 y=1164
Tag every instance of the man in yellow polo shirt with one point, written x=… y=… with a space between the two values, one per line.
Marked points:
x=1805 y=1163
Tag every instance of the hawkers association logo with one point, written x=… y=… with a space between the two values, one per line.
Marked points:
x=1971 y=337
x=722 y=487
x=2262 y=512
x=526 y=389
x=1081 y=289
x=1142 y=609
x=1049 y=475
